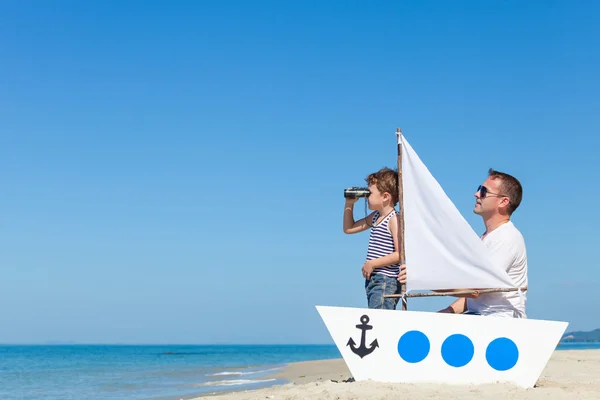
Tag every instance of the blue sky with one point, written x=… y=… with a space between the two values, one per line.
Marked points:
x=173 y=172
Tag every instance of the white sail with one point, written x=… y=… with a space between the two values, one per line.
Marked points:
x=442 y=250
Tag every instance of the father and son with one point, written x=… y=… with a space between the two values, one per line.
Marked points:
x=495 y=201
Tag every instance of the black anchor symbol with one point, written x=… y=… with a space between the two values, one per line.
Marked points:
x=363 y=350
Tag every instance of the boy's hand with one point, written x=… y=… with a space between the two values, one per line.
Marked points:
x=367 y=269
x=350 y=202
x=402 y=274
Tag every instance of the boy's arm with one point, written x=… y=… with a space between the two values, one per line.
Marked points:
x=350 y=226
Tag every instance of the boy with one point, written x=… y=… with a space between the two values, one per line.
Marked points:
x=382 y=265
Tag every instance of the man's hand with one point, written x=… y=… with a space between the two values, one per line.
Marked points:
x=402 y=274
x=367 y=269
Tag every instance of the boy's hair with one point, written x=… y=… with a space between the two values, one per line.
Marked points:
x=386 y=181
x=510 y=187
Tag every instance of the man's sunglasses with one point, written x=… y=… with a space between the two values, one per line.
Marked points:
x=483 y=192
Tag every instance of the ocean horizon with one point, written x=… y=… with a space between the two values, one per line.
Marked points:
x=152 y=372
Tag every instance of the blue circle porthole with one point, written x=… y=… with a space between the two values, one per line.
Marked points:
x=502 y=354
x=413 y=346
x=457 y=350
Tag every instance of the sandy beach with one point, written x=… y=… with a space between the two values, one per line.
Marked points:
x=570 y=374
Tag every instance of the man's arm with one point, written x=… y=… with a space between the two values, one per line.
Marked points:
x=350 y=226
x=458 y=307
x=402 y=280
x=500 y=254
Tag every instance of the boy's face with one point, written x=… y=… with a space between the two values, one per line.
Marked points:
x=375 y=199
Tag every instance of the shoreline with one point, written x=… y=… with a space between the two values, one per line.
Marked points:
x=568 y=374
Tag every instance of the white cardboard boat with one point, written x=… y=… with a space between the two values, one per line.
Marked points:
x=442 y=252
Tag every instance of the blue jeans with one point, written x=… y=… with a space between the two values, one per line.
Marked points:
x=378 y=286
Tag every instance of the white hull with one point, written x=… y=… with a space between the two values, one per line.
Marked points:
x=413 y=346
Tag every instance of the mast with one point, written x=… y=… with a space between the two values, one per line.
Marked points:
x=401 y=209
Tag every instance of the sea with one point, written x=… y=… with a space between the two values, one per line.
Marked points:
x=151 y=372
x=146 y=372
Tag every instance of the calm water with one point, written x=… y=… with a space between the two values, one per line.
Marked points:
x=148 y=372
x=141 y=372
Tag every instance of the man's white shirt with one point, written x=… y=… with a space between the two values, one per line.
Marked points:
x=507 y=249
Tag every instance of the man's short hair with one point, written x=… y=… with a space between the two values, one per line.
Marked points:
x=510 y=187
x=386 y=180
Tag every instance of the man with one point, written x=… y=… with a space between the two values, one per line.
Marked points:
x=495 y=201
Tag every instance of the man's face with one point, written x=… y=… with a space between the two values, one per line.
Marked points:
x=489 y=198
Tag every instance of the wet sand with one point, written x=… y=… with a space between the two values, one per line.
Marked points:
x=570 y=374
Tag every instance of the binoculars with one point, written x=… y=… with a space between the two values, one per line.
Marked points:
x=356 y=192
